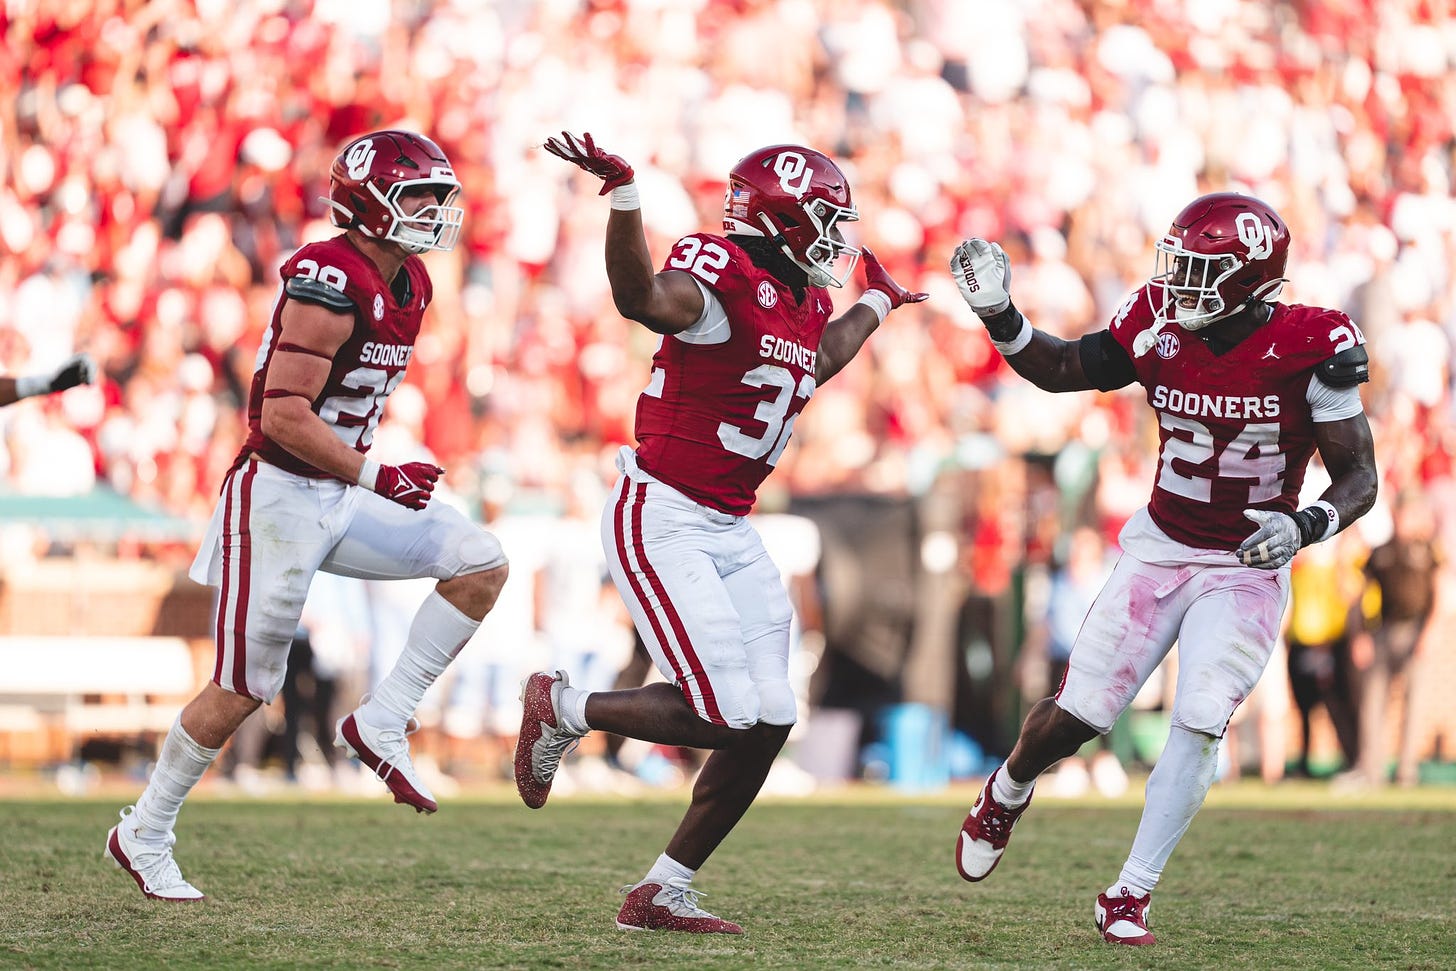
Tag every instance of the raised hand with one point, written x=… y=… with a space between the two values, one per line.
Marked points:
x=409 y=484
x=878 y=278
x=613 y=170
x=78 y=369
x=983 y=275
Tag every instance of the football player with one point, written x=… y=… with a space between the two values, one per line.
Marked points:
x=1245 y=390
x=746 y=338
x=76 y=369
x=304 y=496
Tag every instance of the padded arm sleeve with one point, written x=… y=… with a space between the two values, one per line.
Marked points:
x=1105 y=362
x=312 y=291
x=1346 y=369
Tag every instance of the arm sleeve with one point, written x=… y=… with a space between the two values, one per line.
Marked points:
x=1332 y=404
x=1105 y=362
x=712 y=327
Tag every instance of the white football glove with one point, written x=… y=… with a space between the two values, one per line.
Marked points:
x=1273 y=544
x=983 y=274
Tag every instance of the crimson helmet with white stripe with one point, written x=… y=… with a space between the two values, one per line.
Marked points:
x=1222 y=252
x=374 y=170
x=796 y=197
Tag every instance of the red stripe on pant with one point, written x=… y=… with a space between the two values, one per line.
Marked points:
x=694 y=664
x=245 y=569
x=620 y=525
x=222 y=594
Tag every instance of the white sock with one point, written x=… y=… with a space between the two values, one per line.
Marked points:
x=573 y=710
x=1007 y=791
x=666 y=868
x=1176 y=790
x=179 y=767
x=437 y=634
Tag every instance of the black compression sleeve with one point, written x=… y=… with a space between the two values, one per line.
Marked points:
x=1105 y=362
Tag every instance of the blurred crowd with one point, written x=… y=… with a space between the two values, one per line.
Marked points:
x=161 y=157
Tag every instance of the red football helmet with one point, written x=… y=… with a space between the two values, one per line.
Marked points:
x=796 y=197
x=1222 y=251
x=374 y=170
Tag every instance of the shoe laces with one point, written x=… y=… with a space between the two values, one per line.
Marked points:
x=996 y=820
x=1125 y=907
x=679 y=896
x=552 y=750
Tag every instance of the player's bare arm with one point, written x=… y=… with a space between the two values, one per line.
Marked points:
x=665 y=303
x=983 y=275
x=311 y=336
x=845 y=335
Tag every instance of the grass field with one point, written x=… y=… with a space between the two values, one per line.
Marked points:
x=1283 y=878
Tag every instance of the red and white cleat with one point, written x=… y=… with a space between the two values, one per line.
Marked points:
x=669 y=906
x=149 y=864
x=1123 y=919
x=542 y=742
x=985 y=833
x=386 y=752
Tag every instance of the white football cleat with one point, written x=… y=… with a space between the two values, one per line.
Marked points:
x=985 y=833
x=1123 y=919
x=150 y=864
x=386 y=752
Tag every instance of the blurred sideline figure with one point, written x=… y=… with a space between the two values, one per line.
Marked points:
x=1404 y=569
x=302 y=495
x=746 y=338
x=1245 y=390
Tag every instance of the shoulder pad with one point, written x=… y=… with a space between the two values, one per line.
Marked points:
x=312 y=291
x=1346 y=369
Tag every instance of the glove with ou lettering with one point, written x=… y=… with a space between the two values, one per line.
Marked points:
x=878 y=278
x=77 y=369
x=409 y=484
x=613 y=170
x=983 y=275
x=1273 y=544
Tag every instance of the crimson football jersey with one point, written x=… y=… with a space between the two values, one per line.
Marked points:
x=719 y=408
x=1235 y=429
x=369 y=365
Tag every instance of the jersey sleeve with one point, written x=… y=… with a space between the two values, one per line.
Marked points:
x=712 y=261
x=324 y=273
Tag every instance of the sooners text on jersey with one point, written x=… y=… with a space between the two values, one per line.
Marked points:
x=1235 y=430
x=369 y=365
x=716 y=416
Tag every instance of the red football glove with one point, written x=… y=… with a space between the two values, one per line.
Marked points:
x=584 y=154
x=409 y=485
x=878 y=278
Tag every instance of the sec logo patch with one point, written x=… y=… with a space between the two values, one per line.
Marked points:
x=379 y=306
x=767 y=295
x=1167 y=345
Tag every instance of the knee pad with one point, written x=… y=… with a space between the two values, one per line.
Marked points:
x=1205 y=714
x=776 y=704
x=475 y=552
x=1096 y=716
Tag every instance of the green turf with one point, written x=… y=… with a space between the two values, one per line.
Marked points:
x=864 y=881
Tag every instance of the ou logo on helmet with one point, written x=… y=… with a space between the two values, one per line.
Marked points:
x=789 y=166
x=1255 y=234
x=360 y=158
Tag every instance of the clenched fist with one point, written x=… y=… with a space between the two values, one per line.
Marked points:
x=585 y=155
x=409 y=484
